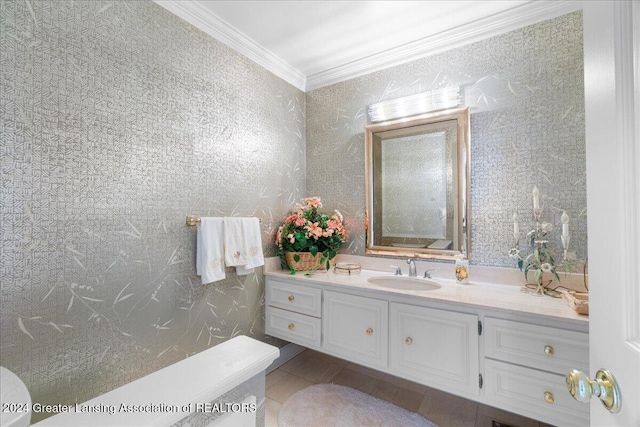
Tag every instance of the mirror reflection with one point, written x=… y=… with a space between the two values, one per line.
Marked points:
x=417 y=185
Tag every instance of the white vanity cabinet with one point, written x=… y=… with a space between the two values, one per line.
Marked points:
x=495 y=355
x=356 y=328
x=435 y=347
x=525 y=368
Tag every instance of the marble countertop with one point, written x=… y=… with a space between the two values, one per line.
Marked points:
x=500 y=297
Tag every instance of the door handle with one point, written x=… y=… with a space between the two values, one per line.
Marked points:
x=605 y=387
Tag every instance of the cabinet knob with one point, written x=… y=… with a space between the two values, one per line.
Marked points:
x=369 y=331
x=291 y=298
x=548 y=350
x=408 y=341
x=291 y=326
x=548 y=396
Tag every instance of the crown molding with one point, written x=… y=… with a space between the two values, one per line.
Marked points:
x=203 y=19
x=518 y=17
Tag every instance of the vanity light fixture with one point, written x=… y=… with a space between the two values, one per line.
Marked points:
x=438 y=99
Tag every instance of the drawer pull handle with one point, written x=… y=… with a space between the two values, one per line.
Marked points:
x=548 y=350
x=291 y=326
x=408 y=341
x=369 y=331
x=291 y=298
x=548 y=396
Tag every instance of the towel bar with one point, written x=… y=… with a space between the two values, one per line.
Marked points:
x=195 y=220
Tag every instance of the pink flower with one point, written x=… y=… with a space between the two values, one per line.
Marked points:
x=313 y=202
x=314 y=230
x=327 y=233
x=334 y=224
x=291 y=218
x=301 y=221
x=291 y=238
x=279 y=235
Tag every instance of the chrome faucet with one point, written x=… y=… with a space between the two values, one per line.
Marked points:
x=398 y=271
x=412 y=267
x=427 y=273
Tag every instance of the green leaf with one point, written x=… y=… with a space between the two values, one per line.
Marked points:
x=538 y=275
x=520 y=264
x=296 y=258
x=313 y=249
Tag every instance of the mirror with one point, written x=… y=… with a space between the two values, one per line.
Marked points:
x=417 y=186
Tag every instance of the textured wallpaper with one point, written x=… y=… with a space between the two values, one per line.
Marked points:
x=117 y=120
x=525 y=90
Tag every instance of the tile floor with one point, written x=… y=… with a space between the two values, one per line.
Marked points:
x=312 y=367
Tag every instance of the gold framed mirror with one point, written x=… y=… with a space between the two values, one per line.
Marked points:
x=417 y=173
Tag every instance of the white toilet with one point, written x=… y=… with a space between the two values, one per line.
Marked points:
x=14 y=393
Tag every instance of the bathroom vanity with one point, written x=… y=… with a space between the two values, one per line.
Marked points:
x=485 y=342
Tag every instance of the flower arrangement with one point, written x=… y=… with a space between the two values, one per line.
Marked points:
x=307 y=230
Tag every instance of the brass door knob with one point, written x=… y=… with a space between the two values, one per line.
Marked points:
x=548 y=396
x=548 y=350
x=291 y=298
x=291 y=326
x=605 y=387
x=408 y=341
x=369 y=331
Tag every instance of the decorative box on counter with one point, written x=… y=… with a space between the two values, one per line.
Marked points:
x=579 y=301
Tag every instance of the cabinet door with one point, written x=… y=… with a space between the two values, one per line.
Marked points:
x=437 y=348
x=356 y=328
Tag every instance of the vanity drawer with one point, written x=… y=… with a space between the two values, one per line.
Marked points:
x=295 y=298
x=294 y=327
x=541 y=347
x=540 y=395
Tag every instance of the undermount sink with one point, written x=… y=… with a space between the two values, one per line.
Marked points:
x=404 y=283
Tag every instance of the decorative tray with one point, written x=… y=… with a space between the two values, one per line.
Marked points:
x=347 y=268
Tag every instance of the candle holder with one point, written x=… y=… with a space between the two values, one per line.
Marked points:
x=541 y=259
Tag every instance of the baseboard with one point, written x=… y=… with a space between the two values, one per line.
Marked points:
x=287 y=353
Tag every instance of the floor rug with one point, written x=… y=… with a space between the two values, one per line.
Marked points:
x=326 y=405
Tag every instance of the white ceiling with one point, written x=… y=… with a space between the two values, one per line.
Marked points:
x=315 y=43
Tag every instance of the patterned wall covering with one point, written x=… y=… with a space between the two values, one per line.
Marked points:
x=117 y=120
x=525 y=89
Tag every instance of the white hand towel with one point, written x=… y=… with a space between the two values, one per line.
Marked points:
x=210 y=250
x=243 y=244
x=234 y=248
x=253 y=242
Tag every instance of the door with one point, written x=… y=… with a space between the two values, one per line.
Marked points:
x=612 y=108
